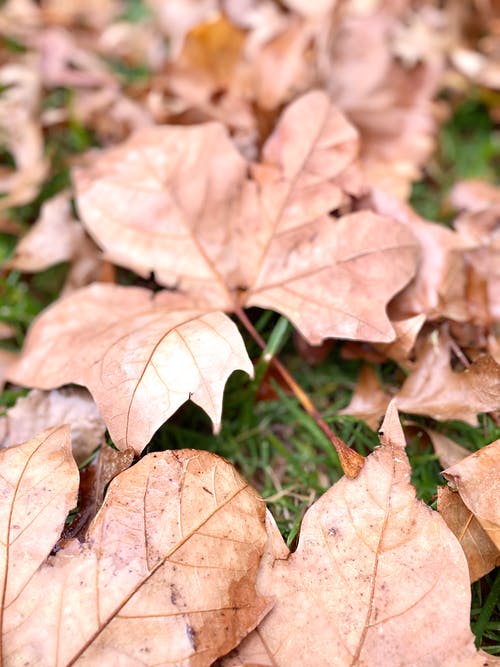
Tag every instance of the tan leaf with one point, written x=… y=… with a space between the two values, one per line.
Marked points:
x=482 y=555
x=438 y=289
x=178 y=201
x=369 y=400
x=477 y=479
x=38 y=487
x=435 y=390
x=173 y=553
x=54 y=238
x=374 y=571
x=448 y=451
x=40 y=410
x=20 y=132
x=7 y=358
x=140 y=356
x=407 y=331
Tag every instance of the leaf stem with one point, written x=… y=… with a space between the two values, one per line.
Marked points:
x=350 y=460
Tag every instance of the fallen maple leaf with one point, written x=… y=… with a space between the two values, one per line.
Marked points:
x=481 y=553
x=141 y=356
x=38 y=487
x=377 y=578
x=40 y=410
x=178 y=201
x=477 y=480
x=166 y=575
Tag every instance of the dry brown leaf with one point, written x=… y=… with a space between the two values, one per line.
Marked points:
x=20 y=132
x=435 y=390
x=448 y=451
x=391 y=103
x=94 y=479
x=480 y=230
x=140 y=355
x=400 y=349
x=482 y=555
x=57 y=237
x=173 y=552
x=369 y=400
x=438 y=289
x=7 y=358
x=38 y=487
x=177 y=201
x=39 y=410
x=474 y=195
x=377 y=578
x=477 y=479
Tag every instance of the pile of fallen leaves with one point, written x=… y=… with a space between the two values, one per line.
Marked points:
x=240 y=154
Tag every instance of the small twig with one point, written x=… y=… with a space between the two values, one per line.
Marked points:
x=350 y=460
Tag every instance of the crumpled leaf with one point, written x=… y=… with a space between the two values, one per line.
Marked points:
x=477 y=479
x=374 y=570
x=140 y=355
x=38 y=487
x=173 y=553
x=177 y=201
x=435 y=390
x=482 y=555
x=40 y=410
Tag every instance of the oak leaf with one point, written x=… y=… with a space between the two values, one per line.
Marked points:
x=477 y=479
x=178 y=201
x=375 y=573
x=173 y=553
x=139 y=354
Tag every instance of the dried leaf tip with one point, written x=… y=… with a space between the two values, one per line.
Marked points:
x=391 y=431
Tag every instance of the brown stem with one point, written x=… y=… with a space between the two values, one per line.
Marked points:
x=350 y=460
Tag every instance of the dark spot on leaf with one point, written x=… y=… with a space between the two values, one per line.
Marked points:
x=191 y=634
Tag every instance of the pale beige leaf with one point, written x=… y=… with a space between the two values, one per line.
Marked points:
x=178 y=201
x=482 y=555
x=436 y=390
x=139 y=356
x=40 y=410
x=375 y=574
x=38 y=487
x=54 y=238
x=477 y=479
x=166 y=576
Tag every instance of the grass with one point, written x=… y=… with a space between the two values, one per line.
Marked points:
x=273 y=443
